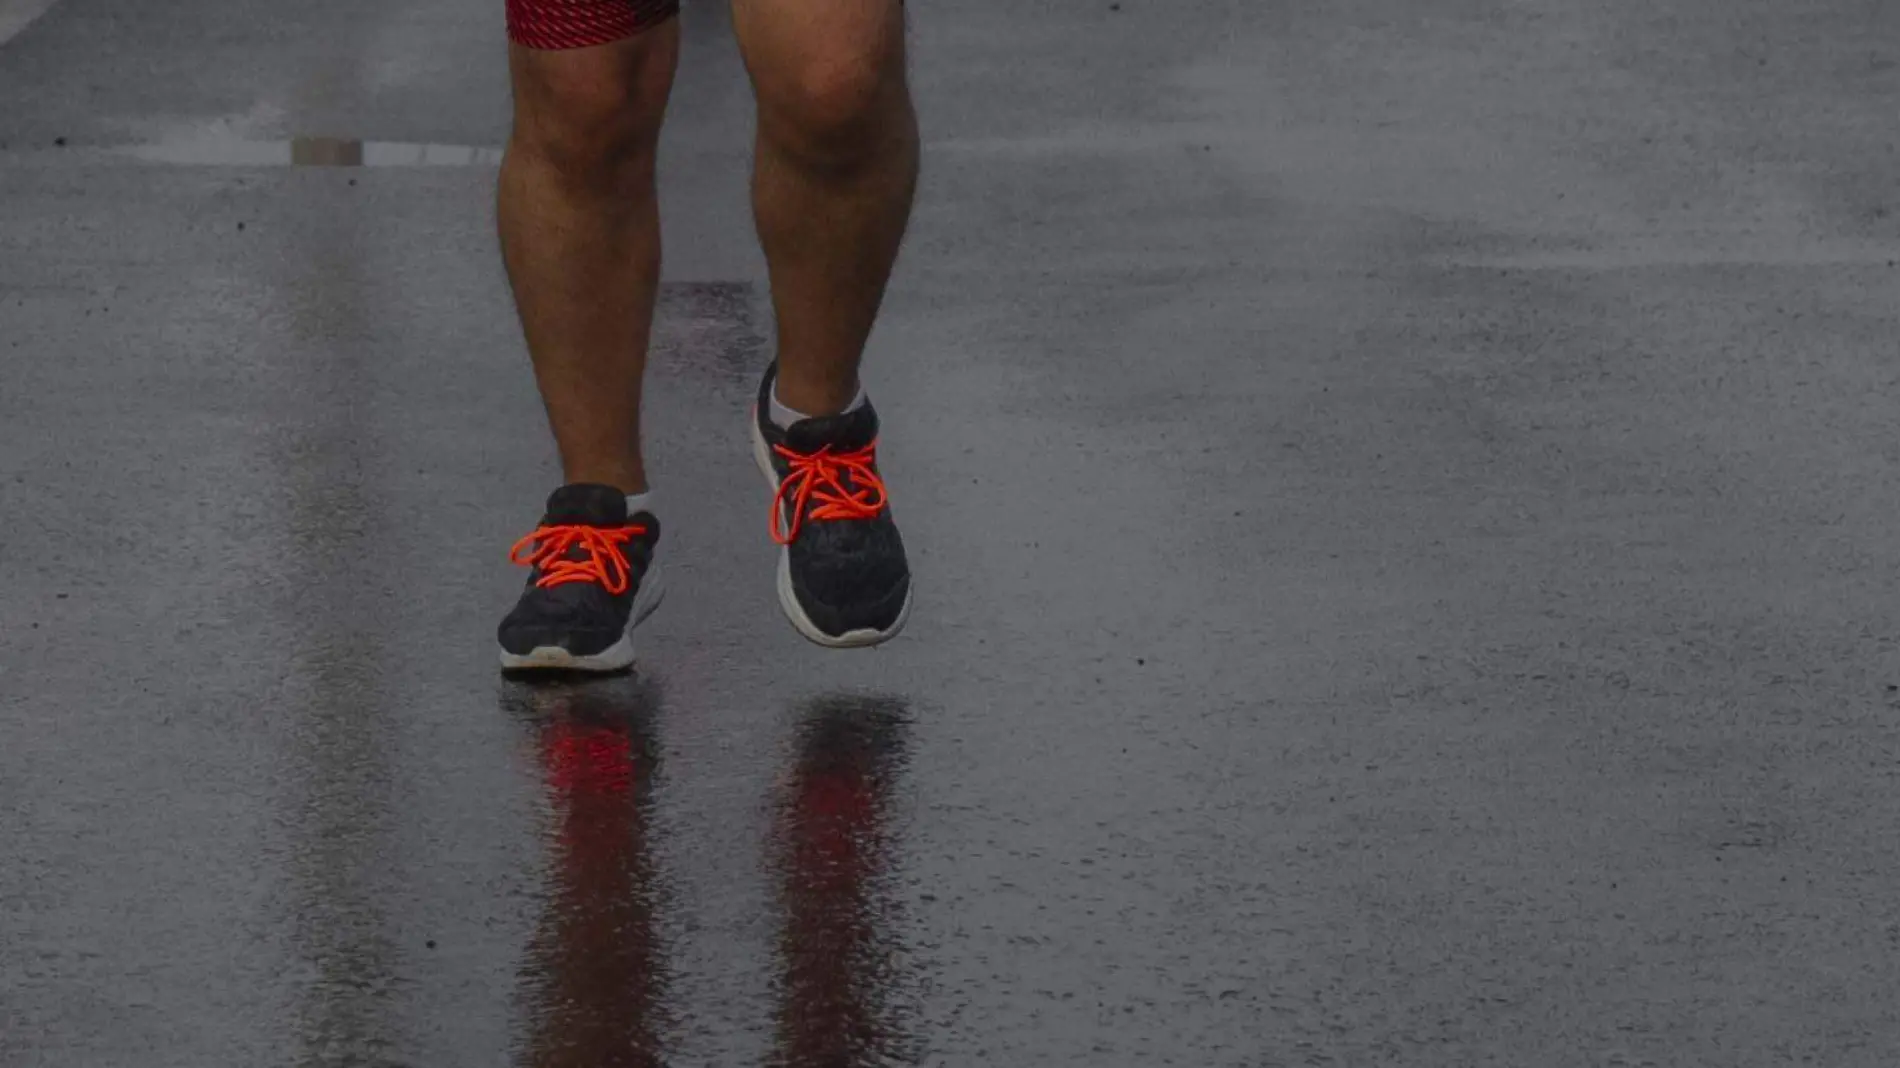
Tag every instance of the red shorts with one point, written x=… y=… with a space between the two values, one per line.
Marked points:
x=581 y=23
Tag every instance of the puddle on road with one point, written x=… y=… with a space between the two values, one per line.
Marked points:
x=221 y=149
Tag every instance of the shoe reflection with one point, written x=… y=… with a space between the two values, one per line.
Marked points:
x=595 y=974
x=838 y=955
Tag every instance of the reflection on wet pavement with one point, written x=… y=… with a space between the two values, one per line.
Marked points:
x=344 y=806
x=595 y=978
x=836 y=953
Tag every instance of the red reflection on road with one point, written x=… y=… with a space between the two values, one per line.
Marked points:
x=595 y=972
x=837 y=949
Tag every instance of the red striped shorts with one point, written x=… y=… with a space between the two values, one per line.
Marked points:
x=581 y=23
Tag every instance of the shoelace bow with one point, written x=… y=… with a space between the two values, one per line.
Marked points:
x=605 y=563
x=821 y=477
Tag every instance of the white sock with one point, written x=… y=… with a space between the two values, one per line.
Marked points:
x=639 y=502
x=783 y=417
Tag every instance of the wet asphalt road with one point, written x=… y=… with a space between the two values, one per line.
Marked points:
x=1402 y=492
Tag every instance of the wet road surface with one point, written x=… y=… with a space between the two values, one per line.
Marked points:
x=1402 y=494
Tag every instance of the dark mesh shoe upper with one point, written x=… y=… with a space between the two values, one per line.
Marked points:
x=582 y=616
x=848 y=574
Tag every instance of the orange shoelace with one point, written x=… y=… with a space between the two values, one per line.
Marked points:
x=820 y=477
x=605 y=564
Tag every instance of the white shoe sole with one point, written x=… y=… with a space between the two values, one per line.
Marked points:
x=616 y=657
x=788 y=600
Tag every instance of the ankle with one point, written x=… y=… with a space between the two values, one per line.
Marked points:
x=631 y=482
x=809 y=398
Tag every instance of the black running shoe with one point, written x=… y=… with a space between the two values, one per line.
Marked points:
x=593 y=580
x=842 y=576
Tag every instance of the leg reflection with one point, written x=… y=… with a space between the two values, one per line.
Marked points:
x=838 y=954
x=594 y=974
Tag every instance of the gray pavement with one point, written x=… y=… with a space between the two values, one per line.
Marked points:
x=1402 y=493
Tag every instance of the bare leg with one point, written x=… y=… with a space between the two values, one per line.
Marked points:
x=836 y=171
x=580 y=235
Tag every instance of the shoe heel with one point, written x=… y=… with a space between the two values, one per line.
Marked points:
x=652 y=592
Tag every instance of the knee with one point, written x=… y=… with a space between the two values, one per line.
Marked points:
x=591 y=127
x=836 y=111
